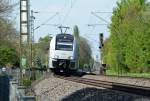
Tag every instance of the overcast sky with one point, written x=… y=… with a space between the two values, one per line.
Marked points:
x=70 y=13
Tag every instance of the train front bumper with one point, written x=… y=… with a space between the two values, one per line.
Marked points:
x=63 y=63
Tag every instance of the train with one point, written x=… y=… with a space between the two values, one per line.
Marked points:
x=63 y=53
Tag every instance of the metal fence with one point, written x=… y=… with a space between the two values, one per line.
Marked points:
x=10 y=89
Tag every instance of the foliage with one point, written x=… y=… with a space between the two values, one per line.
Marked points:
x=77 y=38
x=128 y=47
x=107 y=53
x=146 y=75
x=83 y=48
x=85 y=52
x=76 y=32
x=41 y=51
x=45 y=39
x=26 y=82
x=8 y=56
x=9 y=47
x=5 y=6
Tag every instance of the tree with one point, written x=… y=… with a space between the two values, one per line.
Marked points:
x=5 y=6
x=76 y=32
x=8 y=56
x=83 y=49
x=107 y=53
x=85 y=52
x=41 y=51
x=7 y=30
x=9 y=48
x=77 y=38
x=127 y=47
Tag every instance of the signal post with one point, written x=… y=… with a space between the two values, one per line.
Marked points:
x=101 y=45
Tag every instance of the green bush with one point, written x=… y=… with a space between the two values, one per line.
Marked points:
x=26 y=82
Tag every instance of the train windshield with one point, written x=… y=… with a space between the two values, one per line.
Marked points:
x=64 y=46
x=64 y=42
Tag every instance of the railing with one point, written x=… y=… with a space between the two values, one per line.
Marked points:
x=17 y=93
x=10 y=89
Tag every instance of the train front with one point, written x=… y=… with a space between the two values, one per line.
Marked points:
x=62 y=53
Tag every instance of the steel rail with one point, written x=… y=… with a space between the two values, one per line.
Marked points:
x=134 y=89
x=128 y=77
x=121 y=76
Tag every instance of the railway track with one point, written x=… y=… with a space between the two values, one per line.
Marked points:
x=139 y=90
x=127 y=77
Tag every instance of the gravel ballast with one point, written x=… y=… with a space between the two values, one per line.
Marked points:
x=55 y=89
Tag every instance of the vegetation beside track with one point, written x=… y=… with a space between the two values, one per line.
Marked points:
x=9 y=43
x=145 y=75
x=128 y=47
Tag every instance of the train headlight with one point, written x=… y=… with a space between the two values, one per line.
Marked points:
x=56 y=57
x=71 y=57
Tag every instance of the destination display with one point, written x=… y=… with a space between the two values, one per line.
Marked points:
x=64 y=38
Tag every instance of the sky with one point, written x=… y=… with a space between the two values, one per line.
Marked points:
x=70 y=13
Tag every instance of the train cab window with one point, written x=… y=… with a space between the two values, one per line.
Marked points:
x=64 y=42
x=64 y=46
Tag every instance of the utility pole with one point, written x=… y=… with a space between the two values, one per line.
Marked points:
x=32 y=36
x=32 y=18
x=24 y=37
x=32 y=75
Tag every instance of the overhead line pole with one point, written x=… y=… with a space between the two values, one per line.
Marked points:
x=32 y=34
x=24 y=37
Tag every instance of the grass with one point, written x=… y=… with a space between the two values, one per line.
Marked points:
x=145 y=75
x=39 y=76
x=26 y=81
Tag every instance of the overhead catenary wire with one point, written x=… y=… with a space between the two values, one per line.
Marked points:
x=102 y=12
x=92 y=30
x=90 y=39
x=69 y=11
x=45 y=22
x=60 y=11
x=106 y=23
x=93 y=13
